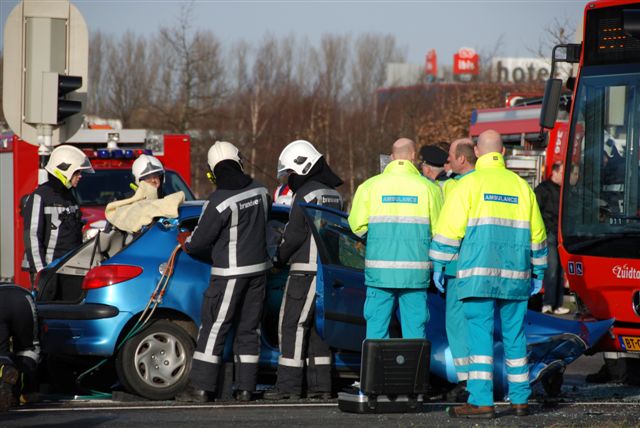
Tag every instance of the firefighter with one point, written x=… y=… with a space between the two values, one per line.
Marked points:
x=52 y=218
x=492 y=223
x=148 y=168
x=231 y=234
x=311 y=181
x=19 y=327
x=396 y=209
x=462 y=160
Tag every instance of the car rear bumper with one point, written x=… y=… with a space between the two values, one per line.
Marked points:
x=75 y=333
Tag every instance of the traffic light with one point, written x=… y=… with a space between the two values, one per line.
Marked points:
x=55 y=105
x=66 y=85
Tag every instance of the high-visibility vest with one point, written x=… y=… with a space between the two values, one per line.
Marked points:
x=396 y=209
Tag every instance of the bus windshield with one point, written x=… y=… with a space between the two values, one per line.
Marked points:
x=601 y=199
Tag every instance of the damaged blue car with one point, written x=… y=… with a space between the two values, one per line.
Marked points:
x=136 y=300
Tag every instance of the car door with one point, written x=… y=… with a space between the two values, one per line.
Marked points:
x=340 y=285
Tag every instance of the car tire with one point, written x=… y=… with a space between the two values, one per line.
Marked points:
x=156 y=362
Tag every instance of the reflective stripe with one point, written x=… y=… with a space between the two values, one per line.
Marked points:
x=461 y=361
x=618 y=355
x=304 y=267
x=480 y=375
x=222 y=314
x=71 y=209
x=462 y=376
x=213 y=359
x=480 y=359
x=502 y=273
x=29 y=354
x=538 y=261
x=242 y=270
x=33 y=233
x=233 y=237
x=613 y=188
x=304 y=315
x=398 y=219
x=53 y=237
x=246 y=359
x=281 y=315
x=290 y=362
x=538 y=246
x=497 y=221
x=319 y=361
x=446 y=241
x=316 y=194
x=439 y=255
x=387 y=264
x=516 y=362
x=518 y=377
x=240 y=196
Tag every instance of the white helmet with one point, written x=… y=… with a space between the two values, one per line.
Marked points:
x=298 y=158
x=145 y=166
x=222 y=150
x=65 y=160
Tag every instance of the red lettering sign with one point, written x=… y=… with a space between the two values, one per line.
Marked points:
x=466 y=61
x=431 y=63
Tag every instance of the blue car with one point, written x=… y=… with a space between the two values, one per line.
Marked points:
x=137 y=298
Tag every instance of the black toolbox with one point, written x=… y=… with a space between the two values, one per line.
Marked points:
x=394 y=376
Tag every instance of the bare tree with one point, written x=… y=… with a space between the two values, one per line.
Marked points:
x=191 y=76
x=129 y=78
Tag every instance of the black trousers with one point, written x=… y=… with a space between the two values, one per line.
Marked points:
x=19 y=324
x=553 y=281
x=230 y=302
x=300 y=344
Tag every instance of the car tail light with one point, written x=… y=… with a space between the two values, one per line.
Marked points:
x=104 y=276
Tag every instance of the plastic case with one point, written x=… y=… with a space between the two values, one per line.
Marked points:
x=394 y=375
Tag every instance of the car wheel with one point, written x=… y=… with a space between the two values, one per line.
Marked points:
x=553 y=384
x=156 y=362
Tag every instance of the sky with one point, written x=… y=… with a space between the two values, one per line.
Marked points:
x=418 y=25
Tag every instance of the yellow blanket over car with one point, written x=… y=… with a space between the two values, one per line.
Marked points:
x=131 y=214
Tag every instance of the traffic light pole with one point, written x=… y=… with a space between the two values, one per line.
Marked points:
x=45 y=145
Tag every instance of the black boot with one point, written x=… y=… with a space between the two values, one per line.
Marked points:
x=191 y=394
x=601 y=376
x=8 y=378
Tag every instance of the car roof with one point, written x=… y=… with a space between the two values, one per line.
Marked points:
x=194 y=208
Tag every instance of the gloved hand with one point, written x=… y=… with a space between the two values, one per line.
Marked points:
x=439 y=281
x=182 y=237
x=536 y=286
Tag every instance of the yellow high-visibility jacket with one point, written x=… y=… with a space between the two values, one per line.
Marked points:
x=491 y=222
x=396 y=210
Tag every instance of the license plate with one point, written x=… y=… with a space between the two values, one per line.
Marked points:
x=630 y=343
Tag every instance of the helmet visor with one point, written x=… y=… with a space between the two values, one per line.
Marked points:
x=283 y=170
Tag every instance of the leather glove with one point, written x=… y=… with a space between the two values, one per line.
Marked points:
x=536 y=286
x=182 y=238
x=278 y=263
x=439 y=281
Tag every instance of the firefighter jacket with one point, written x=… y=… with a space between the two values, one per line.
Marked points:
x=492 y=224
x=232 y=231
x=396 y=210
x=298 y=245
x=52 y=223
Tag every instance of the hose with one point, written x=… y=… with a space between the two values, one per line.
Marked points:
x=152 y=304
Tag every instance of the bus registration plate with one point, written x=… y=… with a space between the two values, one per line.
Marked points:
x=630 y=343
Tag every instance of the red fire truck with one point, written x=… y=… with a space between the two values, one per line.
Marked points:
x=111 y=152
x=599 y=231
x=530 y=152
